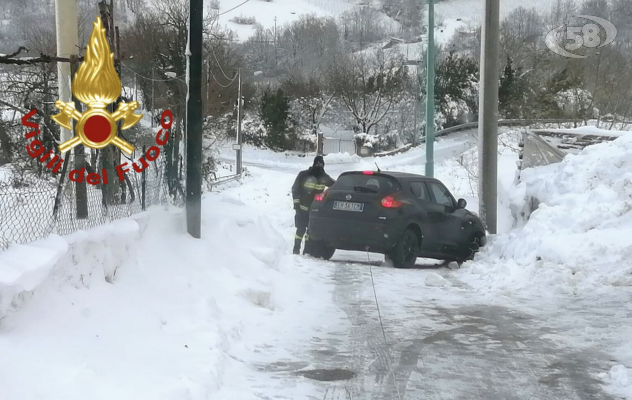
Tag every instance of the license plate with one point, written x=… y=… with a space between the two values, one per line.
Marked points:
x=347 y=206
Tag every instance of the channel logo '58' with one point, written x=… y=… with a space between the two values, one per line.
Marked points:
x=566 y=39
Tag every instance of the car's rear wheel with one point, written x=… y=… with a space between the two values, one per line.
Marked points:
x=405 y=252
x=318 y=249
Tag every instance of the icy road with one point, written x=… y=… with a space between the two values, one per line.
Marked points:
x=437 y=338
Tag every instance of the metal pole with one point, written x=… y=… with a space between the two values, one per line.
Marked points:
x=430 y=72
x=194 y=121
x=239 y=153
x=67 y=42
x=143 y=185
x=488 y=117
x=81 y=191
x=417 y=100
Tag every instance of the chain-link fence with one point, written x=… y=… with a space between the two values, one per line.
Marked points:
x=33 y=207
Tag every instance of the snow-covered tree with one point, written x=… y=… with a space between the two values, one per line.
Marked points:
x=367 y=84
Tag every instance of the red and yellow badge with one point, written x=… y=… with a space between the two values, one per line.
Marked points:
x=97 y=85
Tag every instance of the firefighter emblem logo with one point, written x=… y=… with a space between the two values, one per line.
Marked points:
x=97 y=85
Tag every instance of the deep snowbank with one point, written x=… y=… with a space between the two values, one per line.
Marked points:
x=580 y=237
x=139 y=310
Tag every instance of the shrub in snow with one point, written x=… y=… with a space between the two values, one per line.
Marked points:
x=579 y=238
x=366 y=140
x=575 y=102
x=241 y=20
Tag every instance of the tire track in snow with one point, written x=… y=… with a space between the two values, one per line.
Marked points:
x=370 y=357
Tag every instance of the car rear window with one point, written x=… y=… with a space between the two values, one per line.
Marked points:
x=366 y=184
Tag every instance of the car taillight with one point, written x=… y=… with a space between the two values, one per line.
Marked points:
x=319 y=197
x=368 y=172
x=390 y=202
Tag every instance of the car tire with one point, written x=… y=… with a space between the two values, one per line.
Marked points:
x=404 y=254
x=319 y=249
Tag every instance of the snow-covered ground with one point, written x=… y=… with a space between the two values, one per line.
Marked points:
x=137 y=309
x=620 y=381
x=578 y=240
x=279 y=12
x=587 y=130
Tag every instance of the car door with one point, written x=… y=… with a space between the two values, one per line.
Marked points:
x=422 y=211
x=447 y=222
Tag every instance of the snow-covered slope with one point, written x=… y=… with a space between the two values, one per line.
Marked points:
x=472 y=10
x=451 y=15
x=580 y=237
x=279 y=12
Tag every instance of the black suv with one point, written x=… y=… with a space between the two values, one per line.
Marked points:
x=403 y=216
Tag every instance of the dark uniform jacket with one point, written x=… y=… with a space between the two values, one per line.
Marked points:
x=307 y=186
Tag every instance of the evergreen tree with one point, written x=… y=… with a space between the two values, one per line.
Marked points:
x=511 y=92
x=456 y=88
x=275 y=113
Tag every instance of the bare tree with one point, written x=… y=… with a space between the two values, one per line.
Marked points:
x=367 y=83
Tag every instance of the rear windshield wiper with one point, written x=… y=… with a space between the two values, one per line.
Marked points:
x=364 y=189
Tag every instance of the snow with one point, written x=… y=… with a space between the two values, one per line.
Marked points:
x=284 y=11
x=619 y=381
x=473 y=10
x=579 y=240
x=587 y=130
x=138 y=309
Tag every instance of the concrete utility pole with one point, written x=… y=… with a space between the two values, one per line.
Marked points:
x=194 y=122
x=488 y=117
x=430 y=73
x=67 y=43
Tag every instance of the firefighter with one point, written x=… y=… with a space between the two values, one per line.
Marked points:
x=307 y=185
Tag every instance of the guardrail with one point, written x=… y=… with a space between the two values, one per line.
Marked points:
x=502 y=122
x=471 y=125
x=225 y=179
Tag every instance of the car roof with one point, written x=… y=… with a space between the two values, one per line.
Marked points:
x=397 y=175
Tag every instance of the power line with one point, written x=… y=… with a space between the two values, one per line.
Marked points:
x=151 y=79
x=216 y=81
x=237 y=6
x=220 y=68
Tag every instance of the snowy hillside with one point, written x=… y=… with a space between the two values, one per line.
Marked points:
x=578 y=240
x=451 y=15
x=281 y=12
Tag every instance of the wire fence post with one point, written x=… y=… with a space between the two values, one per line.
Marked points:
x=143 y=180
x=60 y=187
x=81 y=191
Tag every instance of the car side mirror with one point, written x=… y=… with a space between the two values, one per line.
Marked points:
x=461 y=203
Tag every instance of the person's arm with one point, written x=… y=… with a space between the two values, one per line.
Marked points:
x=329 y=182
x=296 y=189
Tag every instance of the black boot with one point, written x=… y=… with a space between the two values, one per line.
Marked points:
x=297 y=246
